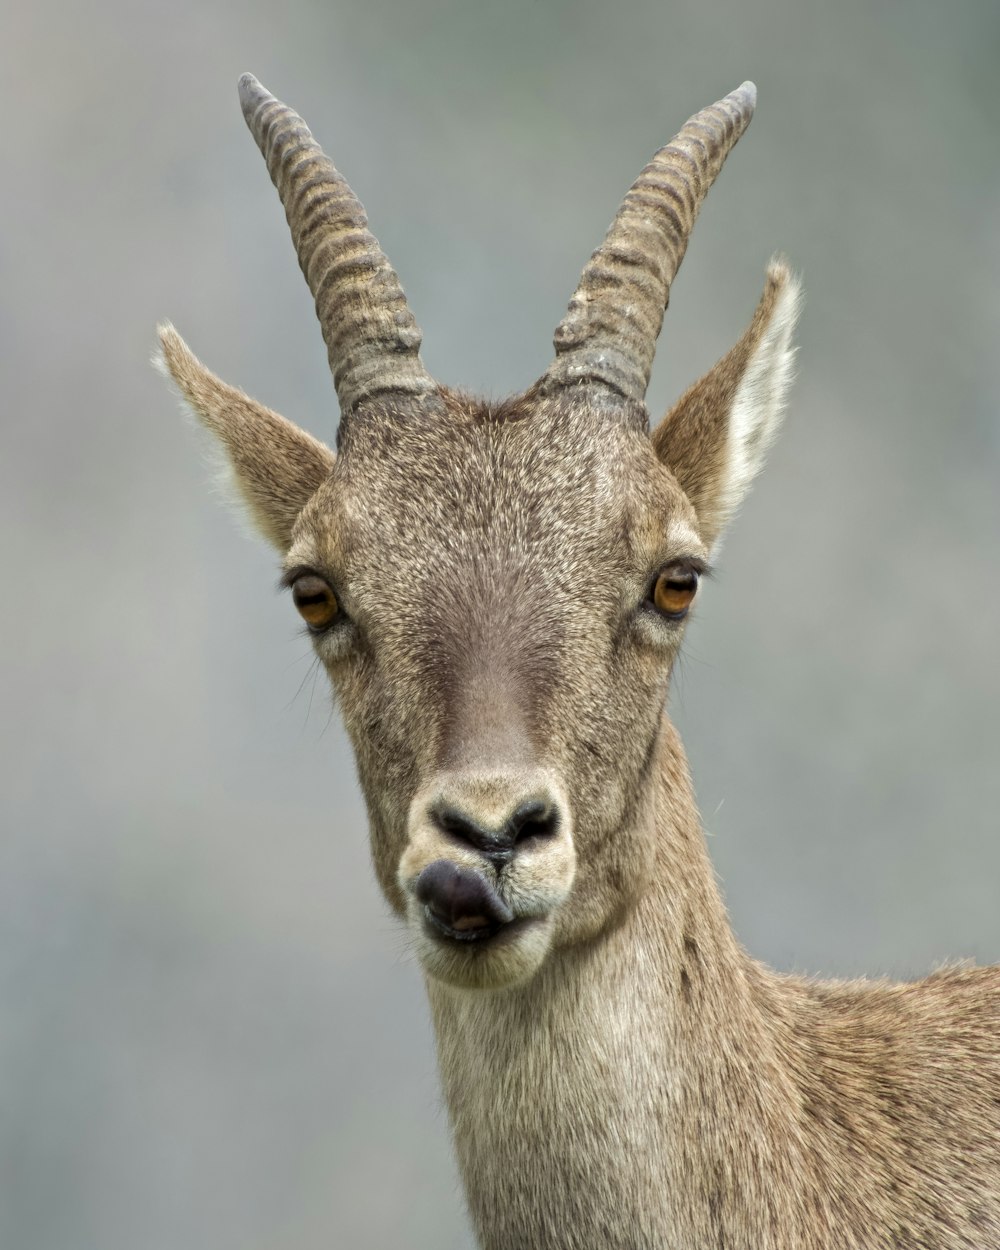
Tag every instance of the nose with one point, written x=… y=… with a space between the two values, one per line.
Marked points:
x=531 y=819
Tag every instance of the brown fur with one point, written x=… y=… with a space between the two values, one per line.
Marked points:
x=619 y=1073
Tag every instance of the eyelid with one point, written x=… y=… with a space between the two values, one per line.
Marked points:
x=686 y=564
x=290 y=576
x=692 y=563
x=300 y=570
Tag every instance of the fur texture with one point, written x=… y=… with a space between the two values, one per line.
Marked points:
x=619 y=1073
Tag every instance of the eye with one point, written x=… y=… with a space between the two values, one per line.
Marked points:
x=315 y=600
x=674 y=590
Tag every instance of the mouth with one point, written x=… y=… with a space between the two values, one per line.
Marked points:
x=470 y=937
x=460 y=906
x=489 y=936
x=468 y=930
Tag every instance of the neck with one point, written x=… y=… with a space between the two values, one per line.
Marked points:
x=619 y=1097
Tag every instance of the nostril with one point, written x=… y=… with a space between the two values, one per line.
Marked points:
x=451 y=820
x=533 y=819
x=496 y=844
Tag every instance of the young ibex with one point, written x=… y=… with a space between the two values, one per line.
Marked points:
x=498 y=592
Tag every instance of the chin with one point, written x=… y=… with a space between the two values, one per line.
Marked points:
x=501 y=959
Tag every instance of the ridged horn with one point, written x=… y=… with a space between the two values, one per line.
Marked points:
x=610 y=329
x=372 y=339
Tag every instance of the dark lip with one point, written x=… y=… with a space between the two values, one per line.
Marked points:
x=487 y=935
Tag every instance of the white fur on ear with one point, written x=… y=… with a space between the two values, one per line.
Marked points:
x=762 y=393
x=715 y=437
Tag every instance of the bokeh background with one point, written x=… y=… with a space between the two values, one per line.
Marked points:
x=211 y=1033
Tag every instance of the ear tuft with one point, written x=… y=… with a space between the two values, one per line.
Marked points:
x=276 y=467
x=716 y=436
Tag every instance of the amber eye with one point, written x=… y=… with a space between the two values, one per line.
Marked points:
x=674 y=591
x=315 y=600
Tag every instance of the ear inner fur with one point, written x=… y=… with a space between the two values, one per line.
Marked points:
x=714 y=438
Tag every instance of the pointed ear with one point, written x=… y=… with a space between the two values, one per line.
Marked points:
x=715 y=437
x=276 y=467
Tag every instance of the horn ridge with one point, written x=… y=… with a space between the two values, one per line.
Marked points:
x=609 y=332
x=372 y=338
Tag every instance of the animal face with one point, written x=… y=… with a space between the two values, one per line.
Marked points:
x=498 y=591
x=501 y=661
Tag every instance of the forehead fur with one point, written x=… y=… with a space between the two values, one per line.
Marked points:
x=571 y=476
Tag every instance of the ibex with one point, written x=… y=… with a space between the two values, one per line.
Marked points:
x=498 y=591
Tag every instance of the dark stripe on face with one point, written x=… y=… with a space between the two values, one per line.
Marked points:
x=491 y=657
x=635 y=794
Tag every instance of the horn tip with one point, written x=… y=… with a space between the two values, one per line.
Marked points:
x=251 y=92
x=746 y=93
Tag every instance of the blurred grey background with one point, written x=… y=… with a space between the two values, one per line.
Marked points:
x=211 y=1034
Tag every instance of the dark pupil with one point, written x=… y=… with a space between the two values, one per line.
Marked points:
x=306 y=600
